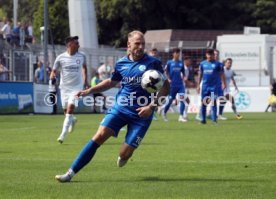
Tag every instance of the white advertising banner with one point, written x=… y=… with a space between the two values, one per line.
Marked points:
x=248 y=99
x=245 y=57
x=41 y=99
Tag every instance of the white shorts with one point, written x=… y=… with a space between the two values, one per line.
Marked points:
x=226 y=91
x=69 y=97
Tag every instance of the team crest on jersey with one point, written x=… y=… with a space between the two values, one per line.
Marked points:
x=213 y=65
x=78 y=61
x=142 y=67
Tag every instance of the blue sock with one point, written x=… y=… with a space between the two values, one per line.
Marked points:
x=168 y=105
x=182 y=107
x=214 y=112
x=85 y=156
x=203 y=113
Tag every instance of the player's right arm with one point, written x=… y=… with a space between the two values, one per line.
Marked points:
x=55 y=68
x=167 y=72
x=101 y=87
x=53 y=74
x=199 y=78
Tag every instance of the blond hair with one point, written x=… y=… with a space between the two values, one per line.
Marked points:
x=135 y=32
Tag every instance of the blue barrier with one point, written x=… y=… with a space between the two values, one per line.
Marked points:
x=16 y=97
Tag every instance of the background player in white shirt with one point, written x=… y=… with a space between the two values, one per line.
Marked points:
x=229 y=75
x=73 y=76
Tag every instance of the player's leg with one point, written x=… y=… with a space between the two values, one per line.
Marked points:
x=70 y=101
x=110 y=126
x=268 y=106
x=205 y=100
x=222 y=103
x=187 y=102
x=234 y=108
x=181 y=94
x=125 y=153
x=86 y=154
x=73 y=103
x=74 y=119
x=67 y=120
x=214 y=110
x=171 y=97
x=198 y=115
x=135 y=134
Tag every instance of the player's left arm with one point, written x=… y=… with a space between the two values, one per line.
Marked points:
x=223 y=80
x=146 y=111
x=234 y=83
x=84 y=75
x=184 y=79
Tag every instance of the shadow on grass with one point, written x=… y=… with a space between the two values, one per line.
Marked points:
x=160 y=179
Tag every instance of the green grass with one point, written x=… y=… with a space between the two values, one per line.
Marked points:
x=234 y=159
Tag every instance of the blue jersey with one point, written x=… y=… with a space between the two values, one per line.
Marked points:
x=211 y=72
x=174 y=70
x=130 y=74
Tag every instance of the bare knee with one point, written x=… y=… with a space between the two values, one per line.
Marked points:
x=102 y=135
x=70 y=109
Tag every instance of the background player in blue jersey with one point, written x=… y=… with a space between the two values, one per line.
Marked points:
x=127 y=109
x=176 y=76
x=211 y=74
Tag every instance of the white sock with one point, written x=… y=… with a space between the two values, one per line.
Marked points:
x=67 y=122
x=71 y=173
x=186 y=111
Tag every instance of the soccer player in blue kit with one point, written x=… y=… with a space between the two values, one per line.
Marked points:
x=127 y=109
x=176 y=75
x=211 y=74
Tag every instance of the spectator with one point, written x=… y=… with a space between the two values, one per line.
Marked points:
x=6 y=31
x=29 y=31
x=22 y=35
x=272 y=98
x=4 y=72
x=37 y=72
x=105 y=71
x=15 y=35
x=94 y=81
x=41 y=75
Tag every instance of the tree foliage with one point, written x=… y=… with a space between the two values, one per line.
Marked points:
x=26 y=9
x=117 y=17
x=265 y=15
x=58 y=20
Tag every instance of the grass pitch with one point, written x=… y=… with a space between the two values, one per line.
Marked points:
x=234 y=159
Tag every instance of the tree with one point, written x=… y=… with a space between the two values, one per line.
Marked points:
x=58 y=20
x=26 y=8
x=117 y=17
x=265 y=15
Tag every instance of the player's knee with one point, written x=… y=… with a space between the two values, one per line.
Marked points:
x=102 y=135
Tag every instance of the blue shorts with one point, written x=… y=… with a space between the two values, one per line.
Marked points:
x=220 y=92
x=208 y=93
x=175 y=90
x=136 y=128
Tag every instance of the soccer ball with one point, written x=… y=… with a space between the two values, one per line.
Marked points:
x=152 y=81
